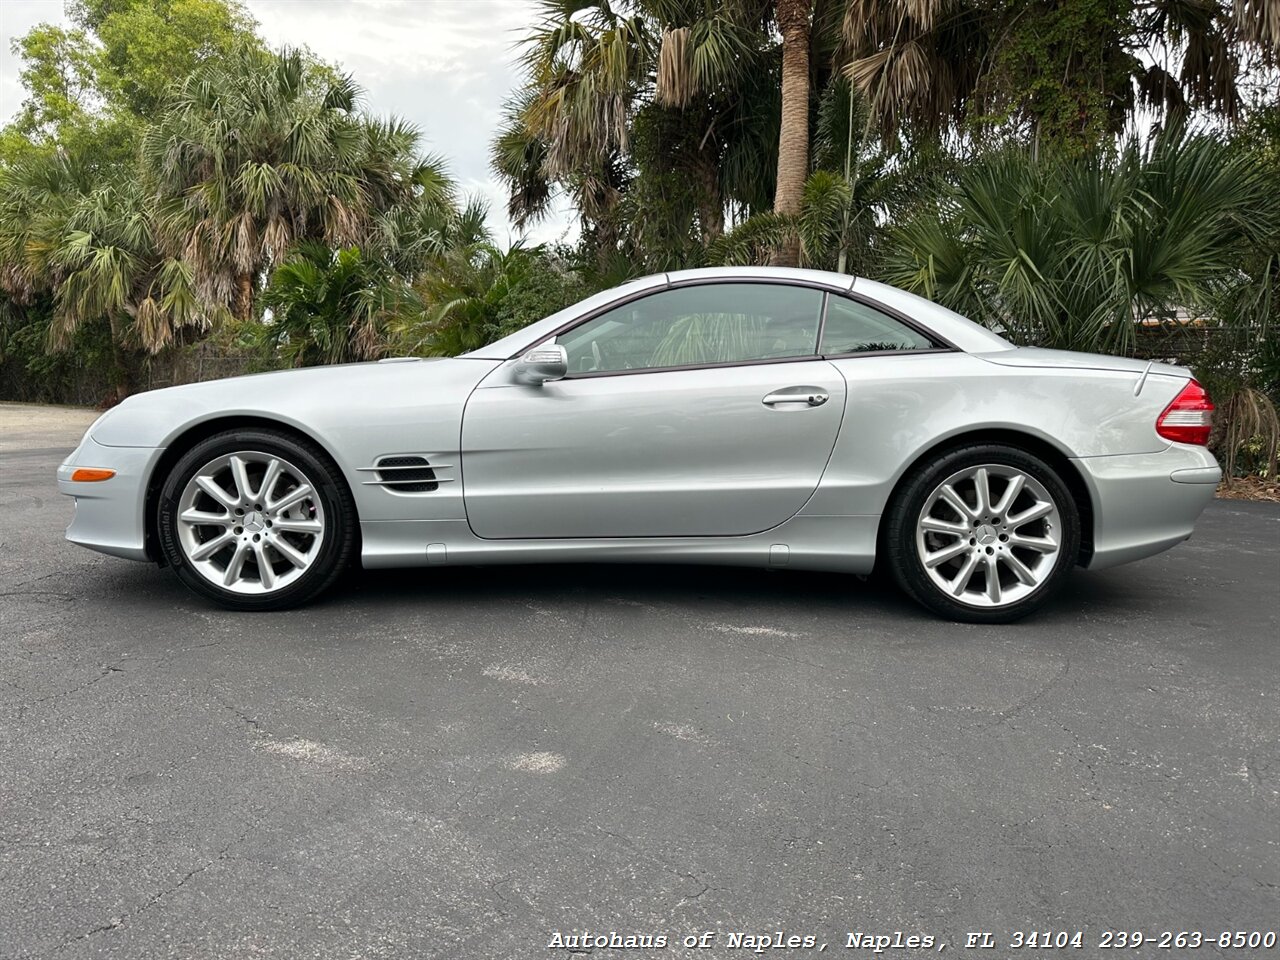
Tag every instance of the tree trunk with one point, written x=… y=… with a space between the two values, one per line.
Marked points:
x=122 y=359
x=711 y=203
x=603 y=235
x=793 y=141
x=242 y=307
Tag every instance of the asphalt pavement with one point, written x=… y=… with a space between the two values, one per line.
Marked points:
x=472 y=763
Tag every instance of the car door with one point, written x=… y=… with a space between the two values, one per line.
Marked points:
x=700 y=410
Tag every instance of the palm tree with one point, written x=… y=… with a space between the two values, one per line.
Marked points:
x=569 y=126
x=793 y=141
x=915 y=60
x=695 y=73
x=465 y=298
x=261 y=152
x=859 y=186
x=1067 y=253
x=338 y=306
x=86 y=237
x=334 y=306
x=518 y=158
x=1071 y=253
x=716 y=77
x=1054 y=70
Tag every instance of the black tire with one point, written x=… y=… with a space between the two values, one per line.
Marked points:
x=337 y=541
x=904 y=514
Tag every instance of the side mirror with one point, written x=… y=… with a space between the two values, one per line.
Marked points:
x=547 y=362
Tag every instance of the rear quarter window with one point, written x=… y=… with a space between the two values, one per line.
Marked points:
x=853 y=327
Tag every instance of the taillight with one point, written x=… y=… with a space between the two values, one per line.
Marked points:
x=1189 y=419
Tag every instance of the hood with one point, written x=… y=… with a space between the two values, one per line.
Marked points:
x=290 y=378
x=300 y=396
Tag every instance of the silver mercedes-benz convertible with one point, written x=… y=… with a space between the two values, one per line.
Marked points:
x=788 y=419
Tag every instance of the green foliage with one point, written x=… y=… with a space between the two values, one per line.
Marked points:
x=1059 y=74
x=334 y=306
x=859 y=188
x=91 y=86
x=1065 y=69
x=476 y=295
x=748 y=130
x=31 y=373
x=753 y=241
x=658 y=117
x=77 y=223
x=258 y=153
x=85 y=237
x=1267 y=363
x=1067 y=253
x=149 y=46
x=550 y=285
x=60 y=74
x=360 y=304
x=172 y=193
x=660 y=213
x=165 y=163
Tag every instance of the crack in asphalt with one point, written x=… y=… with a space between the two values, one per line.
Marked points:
x=107 y=670
x=693 y=897
x=117 y=922
x=39 y=593
x=1010 y=712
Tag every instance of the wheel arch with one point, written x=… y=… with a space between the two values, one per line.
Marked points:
x=1050 y=453
x=189 y=436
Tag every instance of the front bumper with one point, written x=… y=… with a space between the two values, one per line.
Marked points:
x=110 y=515
x=1146 y=503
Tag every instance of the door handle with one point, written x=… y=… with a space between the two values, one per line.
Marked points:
x=806 y=395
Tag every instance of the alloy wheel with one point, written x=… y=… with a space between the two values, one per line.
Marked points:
x=250 y=522
x=988 y=535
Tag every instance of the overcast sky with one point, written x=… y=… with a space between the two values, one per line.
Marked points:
x=444 y=65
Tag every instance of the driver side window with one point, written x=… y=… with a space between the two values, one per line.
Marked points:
x=698 y=325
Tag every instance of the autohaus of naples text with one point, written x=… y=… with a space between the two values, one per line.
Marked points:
x=738 y=940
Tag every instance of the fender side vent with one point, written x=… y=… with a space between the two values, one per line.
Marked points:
x=406 y=474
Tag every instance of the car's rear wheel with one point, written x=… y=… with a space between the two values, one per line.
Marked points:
x=256 y=520
x=985 y=534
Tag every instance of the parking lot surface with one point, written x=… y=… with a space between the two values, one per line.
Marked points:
x=464 y=763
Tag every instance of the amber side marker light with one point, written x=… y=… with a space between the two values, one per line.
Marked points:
x=91 y=475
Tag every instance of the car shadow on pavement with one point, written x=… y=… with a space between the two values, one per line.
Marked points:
x=713 y=588
x=833 y=594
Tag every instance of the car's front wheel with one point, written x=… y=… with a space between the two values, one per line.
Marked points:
x=984 y=535
x=256 y=520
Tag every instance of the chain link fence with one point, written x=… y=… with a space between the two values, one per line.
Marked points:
x=88 y=381
x=1190 y=343
x=196 y=364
